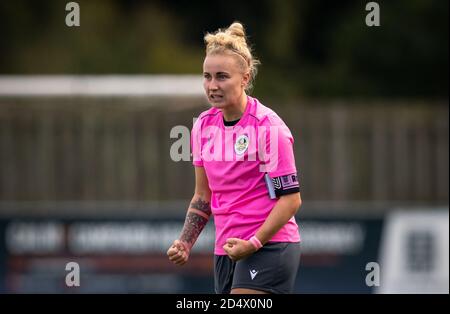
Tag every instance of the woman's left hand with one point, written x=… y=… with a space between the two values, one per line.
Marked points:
x=238 y=249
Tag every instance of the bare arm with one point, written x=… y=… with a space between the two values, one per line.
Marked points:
x=286 y=207
x=197 y=217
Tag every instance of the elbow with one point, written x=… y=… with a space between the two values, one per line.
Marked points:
x=293 y=202
x=297 y=203
x=203 y=194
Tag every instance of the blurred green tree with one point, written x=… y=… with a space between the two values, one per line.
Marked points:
x=307 y=48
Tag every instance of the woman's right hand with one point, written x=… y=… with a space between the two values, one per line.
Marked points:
x=178 y=253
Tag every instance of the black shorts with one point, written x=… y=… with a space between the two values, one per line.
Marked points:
x=273 y=268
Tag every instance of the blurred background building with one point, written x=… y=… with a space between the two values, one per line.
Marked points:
x=86 y=115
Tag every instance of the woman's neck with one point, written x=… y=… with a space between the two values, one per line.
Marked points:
x=235 y=111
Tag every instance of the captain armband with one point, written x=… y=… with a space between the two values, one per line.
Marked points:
x=282 y=185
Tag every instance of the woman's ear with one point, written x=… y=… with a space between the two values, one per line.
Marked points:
x=245 y=79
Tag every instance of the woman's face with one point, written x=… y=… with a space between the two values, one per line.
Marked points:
x=224 y=80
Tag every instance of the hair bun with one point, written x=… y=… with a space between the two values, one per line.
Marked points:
x=236 y=29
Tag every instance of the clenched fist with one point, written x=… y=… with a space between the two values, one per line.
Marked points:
x=178 y=253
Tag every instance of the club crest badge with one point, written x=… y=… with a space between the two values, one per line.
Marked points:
x=241 y=144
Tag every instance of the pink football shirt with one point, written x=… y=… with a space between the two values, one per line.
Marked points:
x=235 y=160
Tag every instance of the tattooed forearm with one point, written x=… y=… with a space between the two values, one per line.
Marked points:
x=202 y=206
x=193 y=225
x=195 y=220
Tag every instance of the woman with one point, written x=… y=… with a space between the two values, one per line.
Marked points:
x=245 y=176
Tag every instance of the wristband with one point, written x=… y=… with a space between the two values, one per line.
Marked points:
x=256 y=243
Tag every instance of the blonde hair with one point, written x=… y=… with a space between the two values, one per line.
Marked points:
x=233 y=40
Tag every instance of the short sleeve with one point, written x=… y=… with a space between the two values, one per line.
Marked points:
x=279 y=157
x=196 y=144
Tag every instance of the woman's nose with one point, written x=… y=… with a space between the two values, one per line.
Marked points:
x=213 y=85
